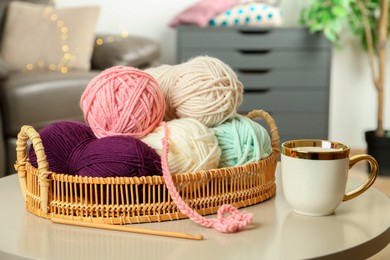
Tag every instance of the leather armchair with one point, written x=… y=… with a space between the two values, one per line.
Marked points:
x=41 y=98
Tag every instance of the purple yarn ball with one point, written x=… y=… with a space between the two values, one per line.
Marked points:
x=114 y=156
x=59 y=139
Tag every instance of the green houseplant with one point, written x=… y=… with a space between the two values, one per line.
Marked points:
x=369 y=21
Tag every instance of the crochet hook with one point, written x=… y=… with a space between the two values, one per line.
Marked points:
x=128 y=229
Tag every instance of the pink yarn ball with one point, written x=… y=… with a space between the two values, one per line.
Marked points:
x=123 y=101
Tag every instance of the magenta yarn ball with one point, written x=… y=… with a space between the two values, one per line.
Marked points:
x=123 y=101
x=58 y=140
x=114 y=156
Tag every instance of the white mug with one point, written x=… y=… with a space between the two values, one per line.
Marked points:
x=315 y=174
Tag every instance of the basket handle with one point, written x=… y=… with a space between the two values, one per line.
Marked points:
x=271 y=124
x=28 y=132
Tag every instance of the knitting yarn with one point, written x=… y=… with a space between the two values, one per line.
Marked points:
x=242 y=140
x=235 y=221
x=158 y=72
x=123 y=101
x=203 y=88
x=58 y=140
x=193 y=146
x=114 y=156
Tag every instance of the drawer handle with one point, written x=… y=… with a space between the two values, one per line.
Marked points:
x=254 y=71
x=254 y=32
x=254 y=52
x=258 y=91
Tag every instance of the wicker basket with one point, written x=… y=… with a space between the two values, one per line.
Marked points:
x=126 y=200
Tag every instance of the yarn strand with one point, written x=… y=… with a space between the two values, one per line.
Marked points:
x=236 y=221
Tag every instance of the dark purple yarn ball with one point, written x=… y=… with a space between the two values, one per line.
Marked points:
x=58 y=140
x=114 y=156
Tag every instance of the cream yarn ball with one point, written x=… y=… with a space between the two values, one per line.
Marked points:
x=192 y=145
x=203 y=88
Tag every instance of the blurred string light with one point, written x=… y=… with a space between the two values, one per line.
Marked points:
x=110 y=38
x=67 y=55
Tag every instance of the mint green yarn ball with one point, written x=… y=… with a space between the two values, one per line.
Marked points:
x=242 y=141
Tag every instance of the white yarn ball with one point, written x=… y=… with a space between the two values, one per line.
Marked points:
x=192 y=145
x=203 y=88
x=158 y=72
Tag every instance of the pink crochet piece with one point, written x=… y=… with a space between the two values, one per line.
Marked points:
x=201 y=13
x=234 y=222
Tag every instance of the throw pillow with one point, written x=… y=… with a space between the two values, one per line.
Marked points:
x=201 y=12
x=42 y=37
x=251 y=14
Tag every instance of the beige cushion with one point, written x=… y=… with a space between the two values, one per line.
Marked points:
x=39 y=37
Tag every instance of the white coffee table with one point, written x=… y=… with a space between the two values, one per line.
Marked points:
x=359 y=229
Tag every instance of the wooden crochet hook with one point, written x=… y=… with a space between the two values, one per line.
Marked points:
x=128 y=229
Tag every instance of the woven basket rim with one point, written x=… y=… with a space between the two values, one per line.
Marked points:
x=37 y=188
x=156 y=179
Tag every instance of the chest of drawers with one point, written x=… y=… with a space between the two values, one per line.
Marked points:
x=285 y=71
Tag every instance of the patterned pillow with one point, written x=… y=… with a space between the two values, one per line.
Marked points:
x=269 y=2
x=252 y=14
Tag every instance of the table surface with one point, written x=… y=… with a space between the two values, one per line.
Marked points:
x=358 y=229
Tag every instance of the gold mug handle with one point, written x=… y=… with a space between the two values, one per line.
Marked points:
x=371 y=179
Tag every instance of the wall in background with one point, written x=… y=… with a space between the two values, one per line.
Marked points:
x=353 y=99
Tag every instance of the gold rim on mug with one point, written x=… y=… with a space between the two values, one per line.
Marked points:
x=313 y=149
